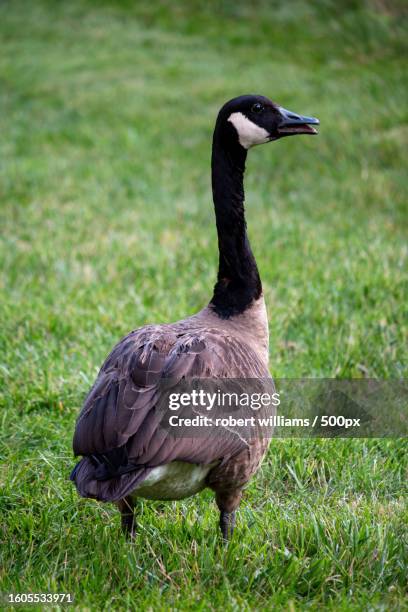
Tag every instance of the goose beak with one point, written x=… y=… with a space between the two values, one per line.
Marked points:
x=292 y=123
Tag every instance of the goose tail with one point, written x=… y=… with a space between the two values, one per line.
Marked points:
x=90 y=482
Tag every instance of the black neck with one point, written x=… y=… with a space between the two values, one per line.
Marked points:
x=238 y=281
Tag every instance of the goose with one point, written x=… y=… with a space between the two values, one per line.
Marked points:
x=124 y=453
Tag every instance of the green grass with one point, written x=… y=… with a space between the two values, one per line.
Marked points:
x=106 y=117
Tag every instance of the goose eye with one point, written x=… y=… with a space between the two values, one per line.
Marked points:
x=257 y=107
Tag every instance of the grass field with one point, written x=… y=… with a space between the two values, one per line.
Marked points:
x=107 y=112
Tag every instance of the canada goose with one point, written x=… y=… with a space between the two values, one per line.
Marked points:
x=124 y=453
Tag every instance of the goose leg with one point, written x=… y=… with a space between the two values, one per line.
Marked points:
x=227 y=524
x=227 y=503
x=126 y=508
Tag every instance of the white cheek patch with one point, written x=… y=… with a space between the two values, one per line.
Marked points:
x=249 y=134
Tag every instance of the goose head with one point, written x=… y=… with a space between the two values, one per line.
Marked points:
x=252 y=120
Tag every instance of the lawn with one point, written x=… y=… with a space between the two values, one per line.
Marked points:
x=107 y=112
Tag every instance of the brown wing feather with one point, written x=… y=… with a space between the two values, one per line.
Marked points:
x=119 y=409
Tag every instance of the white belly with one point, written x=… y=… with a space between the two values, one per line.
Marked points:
x=173 y=481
